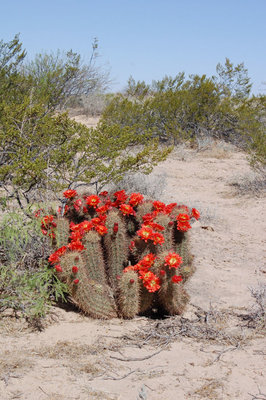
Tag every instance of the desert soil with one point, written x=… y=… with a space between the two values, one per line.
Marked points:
x=215 y=351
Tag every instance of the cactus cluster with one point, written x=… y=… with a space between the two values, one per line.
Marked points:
x=121 y=255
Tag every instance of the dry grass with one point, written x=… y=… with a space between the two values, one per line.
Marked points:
x=69 y=350
x=251 y=184
x=14 y=364
x=208 y=390
x=151 y=186
x=211 y=148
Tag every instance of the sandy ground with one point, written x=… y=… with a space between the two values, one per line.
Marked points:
x=213 y=352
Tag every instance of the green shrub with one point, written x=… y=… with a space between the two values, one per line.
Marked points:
x=29 y=293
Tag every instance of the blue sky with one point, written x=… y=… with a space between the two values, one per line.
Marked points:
x=147 y=39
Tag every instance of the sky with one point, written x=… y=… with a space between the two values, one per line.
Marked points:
x=145 y=39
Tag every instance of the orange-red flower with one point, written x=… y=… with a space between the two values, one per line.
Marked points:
x=75 y=246
x=135 y=199
x=146 y=262
x=93 y=200
x=156 y=227
x=54 y=258
x=121 y=197
x=101 y=229
x=47 y=220
x=76 y=281
x=183 y=218
x=102 y=209
x=115 y=227
x=169 y=208
x=148 y=218
x=150 y=281
x=69 y=194
x=177 y=278
x=126 y=209
x=184 y=227
x=183 y=222
x=131 y=268
x=58 y=268
x=104 y=193
x=159 y=206
x=145 y=233
x=195 y=213
x=75 y=269
x=77 y=204
x=173 y=260
x=157 y=238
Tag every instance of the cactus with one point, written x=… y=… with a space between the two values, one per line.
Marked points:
x=116 y=244
x=129 y=294
x=122 y=255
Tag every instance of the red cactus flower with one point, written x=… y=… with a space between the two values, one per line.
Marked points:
x=177 y=279
x=156 y=227
x=75 y=246
x=102 y=209
x=150 y=281
x=96 y=221
x=93 y=200
x=195 y=213
x=115 y=227
x=169 y=208
x=75 y=269
x=173 y=260
x=120 y=196
x=148 y=218
x=126 y=209
x=44 y=231
x=135 y=199
x=147 y=261
x=183 y=222
x=76 y=281
x=77 y=204
x=145 y=233
x=101 y=229
x=54 y=258
x=159 y=206
x=132 y=280
x=157 y=238
x=86 y=226
x=69 y=194
x=58 y=268
x=183 y=218
x=184 y=227
x=162 y=272
x=104 y=193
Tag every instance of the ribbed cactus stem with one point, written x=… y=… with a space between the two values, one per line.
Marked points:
x=182 y=248
x=93 y=257
x=93 y=298
x=144 y=208
x=146 y=299
x=116 y=245
x=172 y=296
x=165 y=221
x=129 y=294
x=62 y=232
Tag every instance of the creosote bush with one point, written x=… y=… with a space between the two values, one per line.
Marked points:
x=121 y=255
